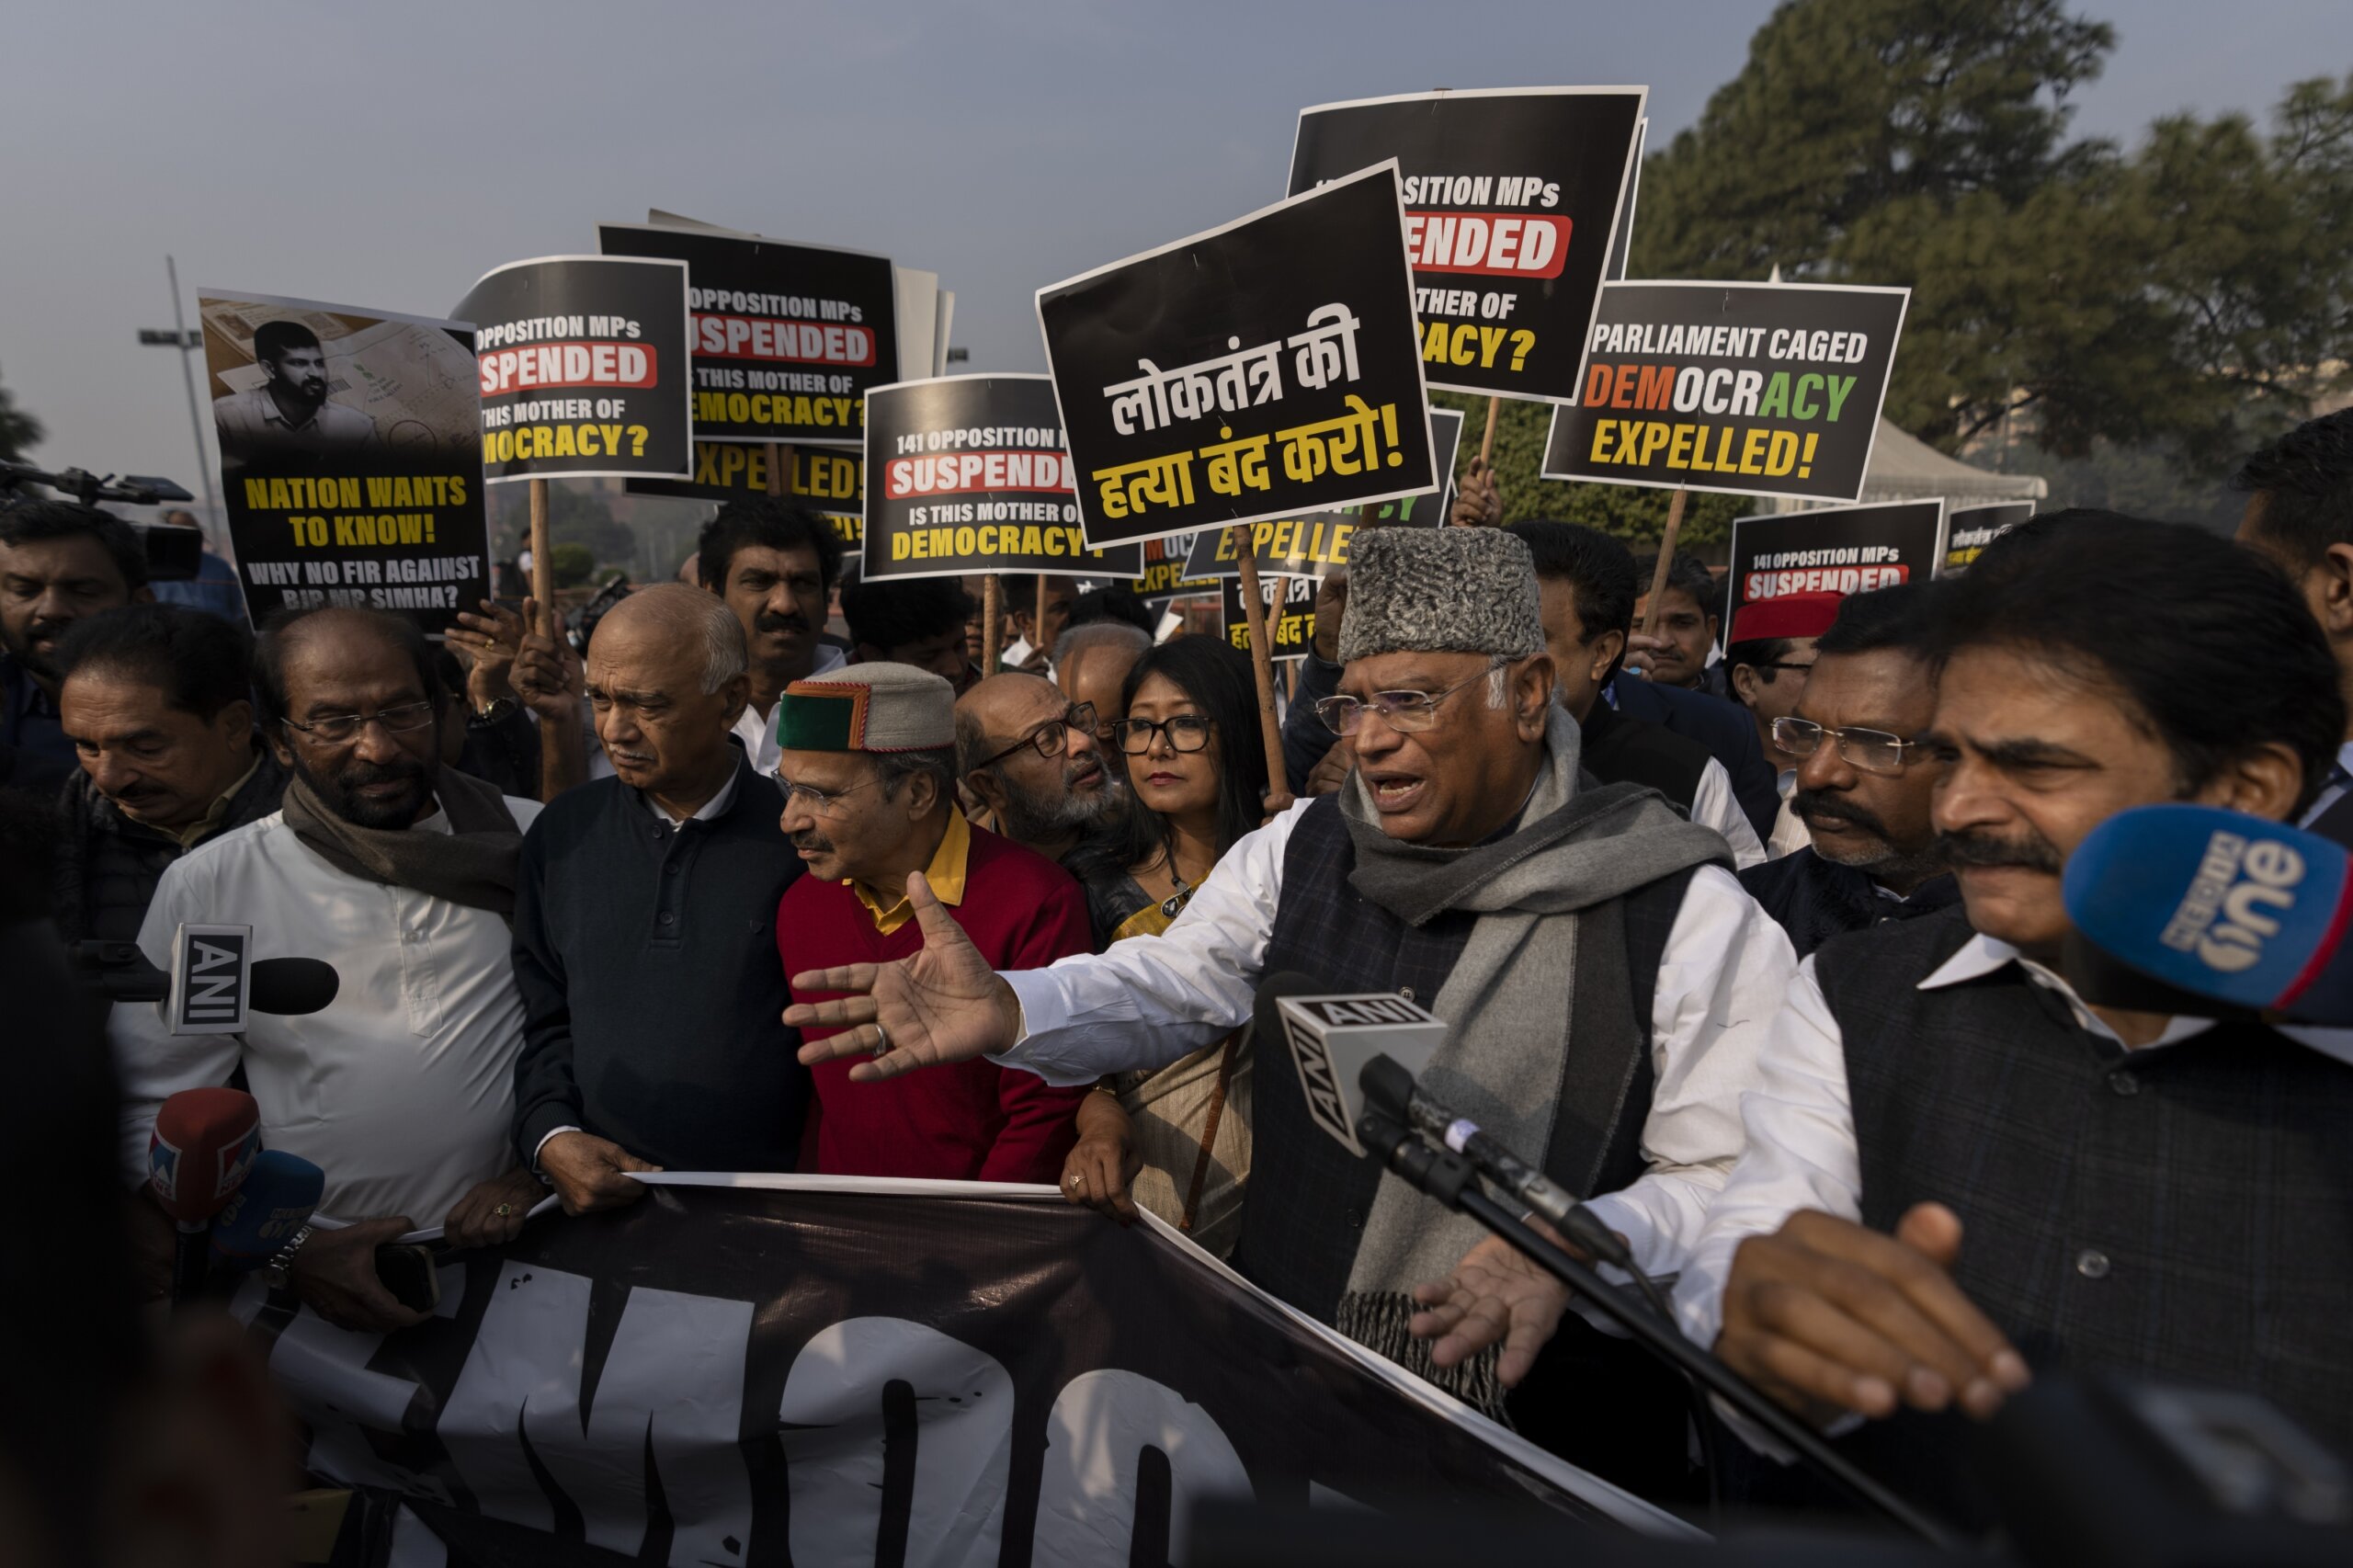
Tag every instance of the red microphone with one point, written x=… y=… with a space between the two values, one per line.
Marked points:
x=203 y=1144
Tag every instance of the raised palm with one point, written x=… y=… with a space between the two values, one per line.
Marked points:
x=943 y=1003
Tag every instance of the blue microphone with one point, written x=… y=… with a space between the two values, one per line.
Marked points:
x=280 y=1194
x=2178 y=908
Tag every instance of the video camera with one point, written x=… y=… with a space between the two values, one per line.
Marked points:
x=174 y=554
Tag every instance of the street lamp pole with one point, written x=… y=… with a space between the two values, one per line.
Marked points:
x=186 y=344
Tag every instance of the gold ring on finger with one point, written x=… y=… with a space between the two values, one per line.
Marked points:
x=504 y=1209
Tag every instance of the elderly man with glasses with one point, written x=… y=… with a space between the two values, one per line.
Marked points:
x=866 y=757
x=1036 y=760
x=401 y=874
x=1862 y=781
x=645 y=939
x=1606 y=983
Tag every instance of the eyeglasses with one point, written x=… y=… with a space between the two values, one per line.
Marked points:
x=1186 y=732
x=821 y=802
x=1873 y=751
x=337 y=729
x=1407 y=713
x=1050 y=739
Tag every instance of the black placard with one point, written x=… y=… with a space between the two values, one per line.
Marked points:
x=1268 y=368
x=1310 y=547
x=826 y=481
x=584 y=368
x=1512 y=197
x=1970 y=529
x=1757 y=389
x=350 y=456
x=1291 y=615
x=788 y=338
x=1833 y=551
x=1163 y=576
x=973 y=475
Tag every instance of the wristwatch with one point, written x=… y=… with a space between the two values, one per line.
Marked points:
x=491 y=712
x=279 y=1269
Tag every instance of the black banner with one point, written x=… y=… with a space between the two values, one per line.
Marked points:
x=820 y=478
x=1756 y=389
x=1971 y=528
x=1266 y=369
x=1291 y=615
x=350 y=456
x=584 y=367
x=787 y=338
x=1309 y=547
x=1163 y=576
x=974 y=477
x=733 y=1375
x=1512 y=197
x=1833 y=551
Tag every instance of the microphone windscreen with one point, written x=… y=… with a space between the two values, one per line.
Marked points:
x=292 y=986
x=2215 y=906
x=203 y=1143
x=278 y=1196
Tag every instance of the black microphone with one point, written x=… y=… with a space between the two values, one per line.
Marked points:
x=1390 y=1089
x=291 y=987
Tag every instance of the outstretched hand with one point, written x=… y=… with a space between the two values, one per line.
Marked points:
x=1496 y=1293
x=942 y=1004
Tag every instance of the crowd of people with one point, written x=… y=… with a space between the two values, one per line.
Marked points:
x=726 y=890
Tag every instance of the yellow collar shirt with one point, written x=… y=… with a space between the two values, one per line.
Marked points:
x=946 y=875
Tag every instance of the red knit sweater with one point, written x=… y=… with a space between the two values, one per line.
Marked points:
x=974 y=1121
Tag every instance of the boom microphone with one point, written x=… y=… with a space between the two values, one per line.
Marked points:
x=280 y=1194
x=2178 y=908
x=291 y=987
x=199 y=1154
x=1332 y=1038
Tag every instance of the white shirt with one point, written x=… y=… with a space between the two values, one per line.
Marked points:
x=1720 y=979
x=1801 y=1149
x=758 y=735
x=704 y=812
x=403 y=1089
x=2335 y=789
x=1789 y=832
x=1713 y=806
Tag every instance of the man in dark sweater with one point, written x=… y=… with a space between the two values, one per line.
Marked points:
x=1863 y=778
x=644 y=927
x=158 y=702
x=1968 y=1172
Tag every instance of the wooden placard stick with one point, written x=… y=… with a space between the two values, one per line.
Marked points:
x=542 y=568
x=992 y=623
x=1666 y=557
x=1262 y=662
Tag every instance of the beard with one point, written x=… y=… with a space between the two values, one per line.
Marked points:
x=1030 y=818
x=339 y=792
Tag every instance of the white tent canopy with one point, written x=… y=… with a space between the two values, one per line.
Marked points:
x=1904 y=468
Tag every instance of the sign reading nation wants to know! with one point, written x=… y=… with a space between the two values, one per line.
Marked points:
x=584 y=368
x=1268 y=368
x=350 y=456
x=1512 y=199
x=1757 y=389
x=721 y=1374
x=1833 y=551
x=788 y=338
x=1310 y=547
x=1969 y=529
x=972 y=476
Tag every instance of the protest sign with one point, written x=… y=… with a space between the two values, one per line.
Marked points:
x=973 y=477
x=825 y=480
x=1971 y=528
x=350 y=456
x=1266 y=369
x=1310 y=547
x=723 y=1374
x=1756 y=388
x=584 y=368
x=1289 y=604
x=788 y=338
x=1833 y=551
x=1512 y=197
x=1163 y=576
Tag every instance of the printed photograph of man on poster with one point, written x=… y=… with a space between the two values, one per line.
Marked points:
x=290 y=415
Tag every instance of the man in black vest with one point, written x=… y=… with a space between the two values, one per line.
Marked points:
x=1604 y=980
x=1863 y=778
x=1964 y=1175
x=2299 y=514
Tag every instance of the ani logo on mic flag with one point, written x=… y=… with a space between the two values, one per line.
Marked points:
x=212 y=973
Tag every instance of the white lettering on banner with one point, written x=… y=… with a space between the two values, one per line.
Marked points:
x=900 y=1428
x=1104 y=1425
x=534 y=1313
x=324 y=1369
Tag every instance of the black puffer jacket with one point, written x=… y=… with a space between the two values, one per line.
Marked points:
x=107 y=865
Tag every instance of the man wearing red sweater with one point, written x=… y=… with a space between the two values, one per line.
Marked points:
x=867 y=762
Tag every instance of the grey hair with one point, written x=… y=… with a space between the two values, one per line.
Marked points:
x=895 y=768
x=688 y=611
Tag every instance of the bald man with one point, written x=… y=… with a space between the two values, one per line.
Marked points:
x=644 y=927
x=1032 y=757
x=1091 y=666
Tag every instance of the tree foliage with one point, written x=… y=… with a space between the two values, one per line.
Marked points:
x=19 y=431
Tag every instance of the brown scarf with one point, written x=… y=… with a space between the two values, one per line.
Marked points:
x=472 y=864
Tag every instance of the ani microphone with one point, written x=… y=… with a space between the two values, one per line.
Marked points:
x=2195 y=910
x=1332 y=1038
x=199 y=1154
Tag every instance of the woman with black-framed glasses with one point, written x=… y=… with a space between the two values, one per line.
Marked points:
x=1194 y=790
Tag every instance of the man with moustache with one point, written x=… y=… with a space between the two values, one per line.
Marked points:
x=869 y=770
x=1863 y=778
x=775 y=564
x=644 y=948
x=1033 y=758
x=59 y=561
x=1963 y=1175
x=288 y=420
x=400 y=874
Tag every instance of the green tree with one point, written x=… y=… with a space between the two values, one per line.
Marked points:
x=19 y=431
x=571 y=564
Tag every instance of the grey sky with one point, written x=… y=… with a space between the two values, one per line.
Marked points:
x=387 y=154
